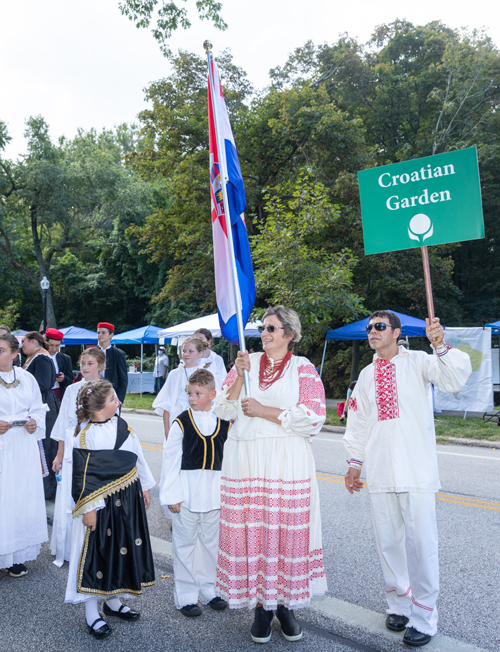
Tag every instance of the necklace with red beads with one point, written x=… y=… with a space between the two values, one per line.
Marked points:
x=271 y=370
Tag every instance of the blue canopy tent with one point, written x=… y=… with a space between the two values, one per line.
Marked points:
x=76 y=335
x=142 y=335
x=495 y=326
x=410 y=327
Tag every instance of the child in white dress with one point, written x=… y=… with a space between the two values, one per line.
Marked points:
x=110 y=546
x=92 y=362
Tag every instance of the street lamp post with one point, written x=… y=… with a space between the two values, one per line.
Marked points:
x=44 y=284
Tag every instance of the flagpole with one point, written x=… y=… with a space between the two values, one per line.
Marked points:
x=224 y=178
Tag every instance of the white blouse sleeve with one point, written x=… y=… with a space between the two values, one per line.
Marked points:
x=448 y=371
x=37 y=408
x=356 y=433
x=223 y=407
x=167 y=397
x=66 y=417
x=145 y=475
x=171 y=487
x=307 y=417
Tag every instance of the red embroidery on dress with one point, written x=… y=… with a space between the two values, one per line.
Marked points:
x=230 y=378
x=311 y=390
x=386 y=390
x=352 y=405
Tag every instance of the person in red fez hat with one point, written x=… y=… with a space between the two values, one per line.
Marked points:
x=62 y=362
x=116 y=360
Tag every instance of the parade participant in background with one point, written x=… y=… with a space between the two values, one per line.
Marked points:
x=270 y=547
x=172 y=399
x=5 y=330
x=350 y=390
x=110 y=545
x=390 y=431
x=23 y=521
x=211 y=360
x=91 y=363
x=116 y=360
x=62 y=362
x=41 y=366
x=190 y=488
x=160 y=370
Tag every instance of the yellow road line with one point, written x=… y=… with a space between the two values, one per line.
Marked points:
x=446 y=498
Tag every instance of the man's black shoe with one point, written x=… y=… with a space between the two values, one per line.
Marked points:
x=414 y=638
x=261 y=628
x=290 y=627
x=190 y=610
x=396 y=623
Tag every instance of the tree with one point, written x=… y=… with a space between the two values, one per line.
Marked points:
x=169 y=16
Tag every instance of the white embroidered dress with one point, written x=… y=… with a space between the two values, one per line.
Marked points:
x=100 y=437
x=23 y=520
x=270 y=546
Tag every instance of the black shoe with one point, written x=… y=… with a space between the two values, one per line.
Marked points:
x=414 y=638
x=261 y=628
x=17 y=570
x=190 y=610
x=218 y=604
x=396 y=623
x=290 y=627
x=124 y=615
x=102 y=632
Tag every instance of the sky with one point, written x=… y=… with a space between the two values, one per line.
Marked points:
x=84 y=65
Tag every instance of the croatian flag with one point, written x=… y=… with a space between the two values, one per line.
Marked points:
x=226 y=303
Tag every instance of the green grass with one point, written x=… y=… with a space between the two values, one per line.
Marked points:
x=445 y=426
x=137 y=402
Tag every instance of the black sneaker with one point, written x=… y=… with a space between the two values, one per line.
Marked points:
x=396 y=622
x=17 y=570
x=191 y=610
x=218 y=604
x=290 y=627
x=261 y=628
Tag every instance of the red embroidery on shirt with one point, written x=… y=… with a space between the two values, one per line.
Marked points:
x=386 y=390
x=352 y=405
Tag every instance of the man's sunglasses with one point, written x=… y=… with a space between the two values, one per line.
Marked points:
x=270 y=328
x=379 y=326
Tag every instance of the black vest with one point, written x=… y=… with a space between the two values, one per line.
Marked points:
x=199 y=452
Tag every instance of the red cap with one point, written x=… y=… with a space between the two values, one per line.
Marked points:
x=54 y=334
x=105 y=324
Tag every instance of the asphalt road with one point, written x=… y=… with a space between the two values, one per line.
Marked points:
x=33 y=615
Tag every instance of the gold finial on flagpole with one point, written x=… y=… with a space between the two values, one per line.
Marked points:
x=208 y=46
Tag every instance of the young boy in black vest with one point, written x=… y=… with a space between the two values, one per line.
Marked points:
x=190 y=489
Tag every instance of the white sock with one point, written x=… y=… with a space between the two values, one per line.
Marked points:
x=92 y=612
x=114 y=604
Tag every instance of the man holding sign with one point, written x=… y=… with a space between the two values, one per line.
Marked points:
x=390 y=432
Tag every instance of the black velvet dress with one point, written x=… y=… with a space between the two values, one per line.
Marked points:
x=42 y=368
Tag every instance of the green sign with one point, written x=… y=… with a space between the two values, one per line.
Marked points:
x=427 y=201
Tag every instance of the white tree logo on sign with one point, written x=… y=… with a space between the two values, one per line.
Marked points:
x=420 y=227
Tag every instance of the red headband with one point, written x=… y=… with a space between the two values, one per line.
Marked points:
x=105 y=324
x=54 y=334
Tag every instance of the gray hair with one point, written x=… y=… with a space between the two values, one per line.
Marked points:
x=289 y=320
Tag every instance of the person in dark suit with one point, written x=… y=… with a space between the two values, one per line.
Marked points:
x=116 y=360
x=62 y=362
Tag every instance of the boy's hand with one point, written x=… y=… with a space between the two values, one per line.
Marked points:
x=147 y=498
x=90 y=519
x=175 y=509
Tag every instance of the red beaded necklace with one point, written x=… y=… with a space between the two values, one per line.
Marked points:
x=271 y=371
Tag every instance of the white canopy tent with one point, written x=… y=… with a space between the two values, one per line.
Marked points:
x=211 y=322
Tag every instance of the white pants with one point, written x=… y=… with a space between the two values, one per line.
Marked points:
x=195 y=539
x=407 y=543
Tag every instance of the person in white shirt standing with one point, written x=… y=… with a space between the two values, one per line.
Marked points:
x=160 y=369
x=390 y=432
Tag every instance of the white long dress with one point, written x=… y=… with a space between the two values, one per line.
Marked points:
x=63 y=430
x=270 y=546
x=100 y=437
x=23 y=519
x=215 y=364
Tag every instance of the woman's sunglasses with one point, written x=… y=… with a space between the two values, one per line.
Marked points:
x=270 y=328
x=379 y=326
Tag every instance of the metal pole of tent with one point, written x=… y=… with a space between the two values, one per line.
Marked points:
x=142 y=349
x=323 y=359
x=224 y=178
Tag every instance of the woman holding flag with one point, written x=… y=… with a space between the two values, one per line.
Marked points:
x=270 y=547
